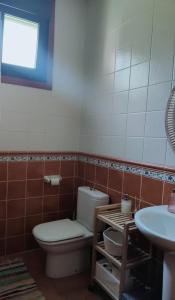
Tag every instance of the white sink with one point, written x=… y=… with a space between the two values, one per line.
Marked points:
x=158 y=225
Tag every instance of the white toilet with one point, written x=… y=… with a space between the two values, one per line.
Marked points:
x=68 y=242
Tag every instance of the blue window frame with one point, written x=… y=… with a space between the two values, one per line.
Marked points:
x=41 y=13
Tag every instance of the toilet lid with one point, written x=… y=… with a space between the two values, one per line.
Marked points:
x=57 y=231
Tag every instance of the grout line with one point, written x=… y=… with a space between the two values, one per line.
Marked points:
x=6 y=214
x=163 y=190
x=123 y=178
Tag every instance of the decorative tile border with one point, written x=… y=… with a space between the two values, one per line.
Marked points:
x=21 y=158
x=105 y=163
x=122 y=167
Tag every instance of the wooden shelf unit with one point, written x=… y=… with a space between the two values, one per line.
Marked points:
x=132 y=256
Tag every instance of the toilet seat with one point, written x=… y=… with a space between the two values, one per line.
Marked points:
x=58 y=231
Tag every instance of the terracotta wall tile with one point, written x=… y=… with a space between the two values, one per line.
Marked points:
x=67 y=186
x=32 y=202
x=2 y=229
x=25 y=200
x=67 y=168
x=34 y=206
x=2 y=247
x=51 y=190
x=90 y=184
x=49 y=217
x=52 y=168
x=101 y=188
x=131 y=185
x=78 y=182
x=15 y=244
x=3 y=190
x=35 y=170
x=34 y=188
x=90 y=172
x=16 y=208
x=3 y=171
x=15 y=227
x=3 y=206
x=101 y=176
x=81 y=169
x=17 y=170
x=144 y=204
x=167 y=192
x=66 y=202
x=115 y=197
x=16 y=189
x=30 y=242
x=115 y=180
x=151 y=191
x=32 y=221
x=51 y=203
x=66 y=214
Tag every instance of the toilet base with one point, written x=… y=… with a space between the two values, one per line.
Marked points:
x=68 y=264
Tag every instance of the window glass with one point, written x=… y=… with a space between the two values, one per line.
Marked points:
x=20 y=42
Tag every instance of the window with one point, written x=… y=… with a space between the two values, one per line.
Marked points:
x=27 y=42
x=24 y=53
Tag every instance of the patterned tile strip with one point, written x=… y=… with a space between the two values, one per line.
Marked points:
x=122 y=167
x=157 y=175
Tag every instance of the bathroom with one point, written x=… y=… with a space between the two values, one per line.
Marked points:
x=98 y=122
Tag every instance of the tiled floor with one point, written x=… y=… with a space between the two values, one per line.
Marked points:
x=72 y=288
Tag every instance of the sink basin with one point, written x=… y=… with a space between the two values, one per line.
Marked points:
x=158 y=225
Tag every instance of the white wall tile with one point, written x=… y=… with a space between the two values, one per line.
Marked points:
x=137 y=100
x=158 y=96
x=14 y=140
x=141 y=42
x=134 y=149
x=136 y=124
x=155 y=124
x=161 y=68
x=26 y=111
x=123 y=58
x=102 y=103
x=144 y=72
x=12 y=121
x=139 y=75
x=88 y=143
x=118 y=124
x=120 y=102
x=154 y=151
x=174 y=69
x=107 y=83
x=170 y=156
x=109 y=61
x=163 y=31
x=116 y=146
x=122 y=80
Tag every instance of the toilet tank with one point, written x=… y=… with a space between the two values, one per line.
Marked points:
x=88 y=200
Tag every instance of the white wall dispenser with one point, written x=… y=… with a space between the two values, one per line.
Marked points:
x=54 y=180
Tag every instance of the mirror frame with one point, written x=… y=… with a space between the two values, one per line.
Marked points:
x=170 y=119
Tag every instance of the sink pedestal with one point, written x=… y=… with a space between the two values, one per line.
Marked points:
x=158 y=224
x=168 y=292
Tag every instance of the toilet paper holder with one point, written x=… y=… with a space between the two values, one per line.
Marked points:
x=53 y=179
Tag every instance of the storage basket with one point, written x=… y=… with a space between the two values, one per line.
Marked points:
x=113 y=241
x=105 y=277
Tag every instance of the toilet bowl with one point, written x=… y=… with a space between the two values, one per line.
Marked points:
x=68 y=243
x=66 y=255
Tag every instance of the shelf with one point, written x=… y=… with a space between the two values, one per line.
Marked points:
x=136 y=256
x=132 y=255
x=101 y=249
x=116 y=219
x=106 y=289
